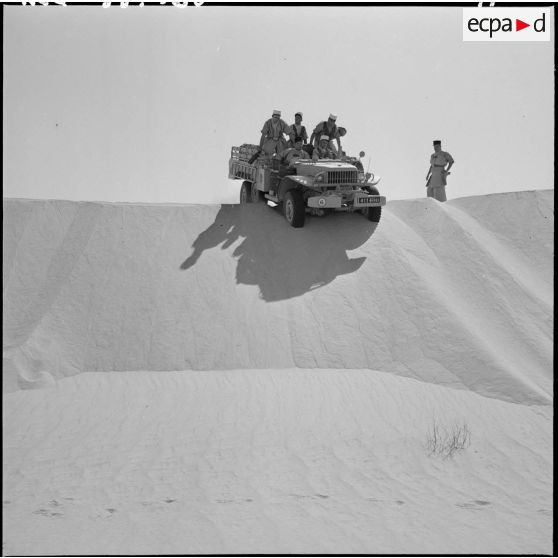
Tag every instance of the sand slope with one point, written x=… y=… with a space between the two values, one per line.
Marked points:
x=210 y=380
x=459 y=294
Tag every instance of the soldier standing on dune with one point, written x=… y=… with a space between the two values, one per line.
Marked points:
x=437 y=173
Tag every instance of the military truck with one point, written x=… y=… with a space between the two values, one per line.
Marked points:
x=305 y=187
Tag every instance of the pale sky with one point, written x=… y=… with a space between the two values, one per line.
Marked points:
x=143 y=104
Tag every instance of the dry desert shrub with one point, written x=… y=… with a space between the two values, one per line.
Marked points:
x=445 y=441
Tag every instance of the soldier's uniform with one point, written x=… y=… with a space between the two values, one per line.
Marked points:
x=293 y=153
x=323 y=128
x=323 y=151
x=436 y=185
x=298 y=131
x=273 y=131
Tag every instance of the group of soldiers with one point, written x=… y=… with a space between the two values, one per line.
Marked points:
x=321 y=146
x=298 y=146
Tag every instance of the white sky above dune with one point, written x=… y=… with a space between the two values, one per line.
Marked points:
x=143 y=104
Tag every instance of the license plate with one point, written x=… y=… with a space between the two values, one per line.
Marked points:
x=368 y=199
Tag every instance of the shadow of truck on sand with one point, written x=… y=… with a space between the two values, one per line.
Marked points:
x=283 y=261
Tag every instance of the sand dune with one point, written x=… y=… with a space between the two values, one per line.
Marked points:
x=206 y=379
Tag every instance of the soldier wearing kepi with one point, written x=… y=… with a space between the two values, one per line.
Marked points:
x=326 y=128
x=272 y=140
x=323 y=150
x=437 y=173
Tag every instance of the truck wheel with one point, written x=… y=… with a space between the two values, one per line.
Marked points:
x=255 y=194
x=373 y=213
x=294 y=209
x=246 y=192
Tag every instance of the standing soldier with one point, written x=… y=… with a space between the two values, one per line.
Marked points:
x=298 y=130
x=437 y=173
x=327 y=128
x=340 y=133
x=272 y=140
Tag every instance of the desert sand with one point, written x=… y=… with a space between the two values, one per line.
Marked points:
x=205 y=379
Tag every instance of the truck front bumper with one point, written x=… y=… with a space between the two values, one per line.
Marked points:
x=369 y=200
x=335 y=201
x=330 y=201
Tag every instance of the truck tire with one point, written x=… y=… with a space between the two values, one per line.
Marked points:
x=246 y=192
x=373 y=213
x=255 y=194
x=294 y=209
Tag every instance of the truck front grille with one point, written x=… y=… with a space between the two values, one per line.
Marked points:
x=342 y=176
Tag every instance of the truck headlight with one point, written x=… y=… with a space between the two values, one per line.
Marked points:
x=360 y=177
x=319 y=177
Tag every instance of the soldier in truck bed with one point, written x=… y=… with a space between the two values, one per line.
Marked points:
x=328 y=128
x=298 y=130
x=272 y=140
